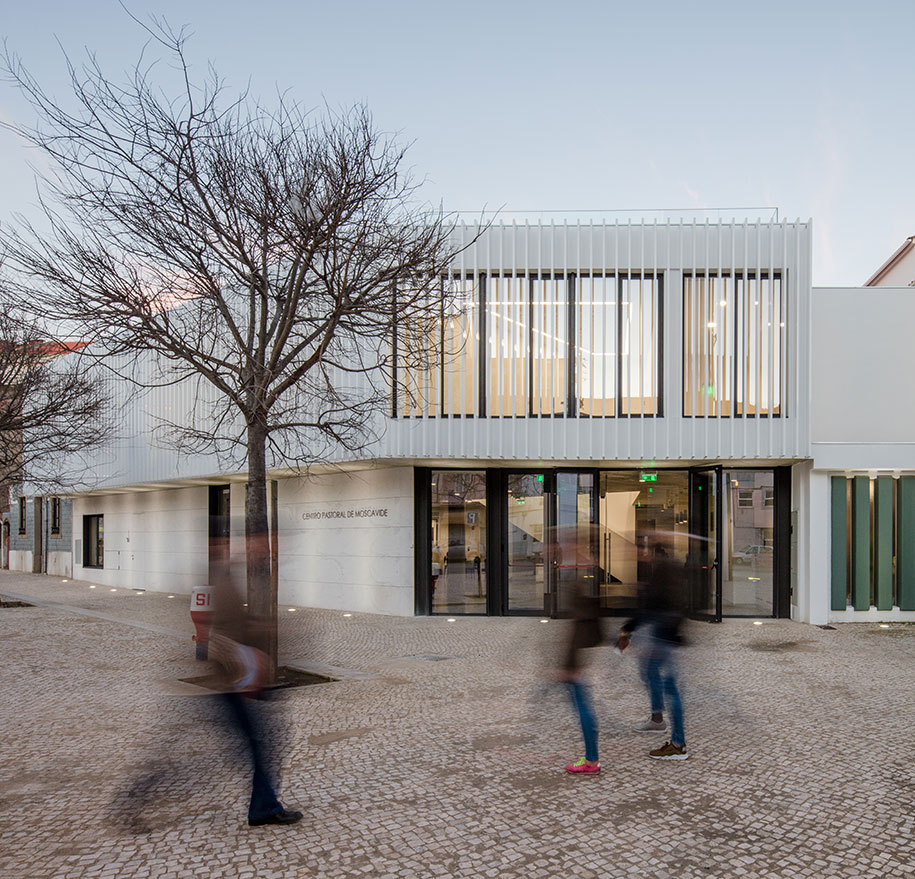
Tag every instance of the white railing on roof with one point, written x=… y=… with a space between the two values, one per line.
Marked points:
x=755 y=214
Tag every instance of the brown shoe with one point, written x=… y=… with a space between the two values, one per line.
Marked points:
x=669 y=751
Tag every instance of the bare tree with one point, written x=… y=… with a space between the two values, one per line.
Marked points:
x=268 y=255
x=51 y=405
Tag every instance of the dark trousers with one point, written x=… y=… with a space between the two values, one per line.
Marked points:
x=659 y=671
x=243 y=718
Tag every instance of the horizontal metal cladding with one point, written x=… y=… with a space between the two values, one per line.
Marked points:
x=617 y=342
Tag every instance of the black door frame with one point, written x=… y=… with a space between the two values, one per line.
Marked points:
x=699 y=528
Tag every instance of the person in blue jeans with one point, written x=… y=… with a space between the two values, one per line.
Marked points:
x=661 y=612
x=585 y=633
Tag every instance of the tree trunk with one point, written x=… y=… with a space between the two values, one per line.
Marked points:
x=261 y=594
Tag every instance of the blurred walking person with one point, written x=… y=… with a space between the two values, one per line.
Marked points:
x=584 y=634
x=244 y=671
x=662 y=607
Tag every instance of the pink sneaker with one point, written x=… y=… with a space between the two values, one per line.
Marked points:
x=583 y=766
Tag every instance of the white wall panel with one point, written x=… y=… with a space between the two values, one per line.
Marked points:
x=337 y=551
x=863 y=359
x=60 y=564
x=21 y=560
x=155 y=540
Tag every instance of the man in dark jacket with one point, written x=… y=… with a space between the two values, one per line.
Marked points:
x=661 y=611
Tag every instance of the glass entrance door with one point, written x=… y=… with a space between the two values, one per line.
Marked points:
x=704 y=543
x=527 y=543
x=574 y=544
x=632 y=506
x=552 y=540
x=748 y=543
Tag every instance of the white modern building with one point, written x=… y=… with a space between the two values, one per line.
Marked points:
x=603 y=380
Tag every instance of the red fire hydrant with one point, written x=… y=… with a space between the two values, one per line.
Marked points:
x=202 y=618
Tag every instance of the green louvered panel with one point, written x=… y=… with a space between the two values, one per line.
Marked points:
x=883 y=542
x=861 y=543
x=905 y=543
x=839 y=542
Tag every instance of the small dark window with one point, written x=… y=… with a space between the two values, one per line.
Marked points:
x=55 y=517
x=22 y=516
x=93 y=542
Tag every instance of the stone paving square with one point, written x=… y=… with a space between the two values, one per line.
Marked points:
x=439 y=752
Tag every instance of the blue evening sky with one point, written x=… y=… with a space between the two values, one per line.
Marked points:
x=581 y=105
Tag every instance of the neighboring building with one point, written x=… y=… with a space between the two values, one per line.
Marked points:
x=898 y=270
x=605 y=381
x=4 y=526
x=4 y=539
x=40 y=530
x=36 y=530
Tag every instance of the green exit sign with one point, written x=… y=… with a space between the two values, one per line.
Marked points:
x=648 y=477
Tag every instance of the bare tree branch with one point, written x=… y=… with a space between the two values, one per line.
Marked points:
x=51 y=406
x=269 y=252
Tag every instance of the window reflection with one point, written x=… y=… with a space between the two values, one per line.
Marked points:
x=630 y=509
x=586 y=345
x=461 y=349
x=748 y=549
x=458 y=573
x=640 y=324
x=734 y=334
x=549 y=346
x=618 y=312
x=596 y=336
x=527 y=550
x=507 y=346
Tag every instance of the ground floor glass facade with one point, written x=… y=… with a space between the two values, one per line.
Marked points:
x=554 y=532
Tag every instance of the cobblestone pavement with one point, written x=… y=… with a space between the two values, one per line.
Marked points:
x=800 y=743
